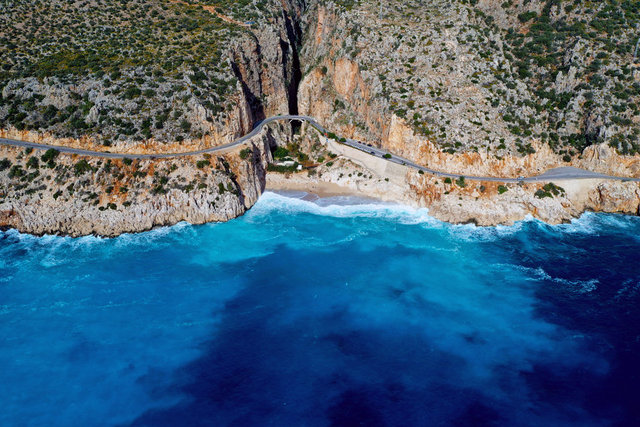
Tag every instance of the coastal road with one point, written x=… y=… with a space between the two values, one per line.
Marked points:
x=557 y=174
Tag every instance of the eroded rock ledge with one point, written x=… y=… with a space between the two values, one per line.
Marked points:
x=343 y=68
x=73 y=195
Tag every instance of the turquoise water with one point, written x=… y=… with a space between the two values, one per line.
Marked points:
x=317 y=314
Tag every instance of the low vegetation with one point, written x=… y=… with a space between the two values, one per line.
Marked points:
x=124 y=70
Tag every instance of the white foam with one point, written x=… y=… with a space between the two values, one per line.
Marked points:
x=51 y=239
x=350 y=207
x=593 y=223
x=155 y=235
x=472 y=232
x=341 y=208
x=577 y=286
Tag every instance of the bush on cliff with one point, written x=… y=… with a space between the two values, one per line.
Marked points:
x=280 y=153
x=16 y=172
x=82 y=167
x=5 y=164
x=50 y=155
x=33 y=162
x=245 y=153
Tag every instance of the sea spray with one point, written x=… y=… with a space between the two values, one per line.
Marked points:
x=301 y=310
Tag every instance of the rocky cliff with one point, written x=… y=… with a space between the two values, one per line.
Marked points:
x=46 y=193
x=140 y=76
x=500 y=78
x=208 y=80
x=447 y=85
x=472 y=87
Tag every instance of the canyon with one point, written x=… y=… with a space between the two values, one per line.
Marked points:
x=410 y=77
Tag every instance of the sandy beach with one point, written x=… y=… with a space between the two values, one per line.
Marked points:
x=279 y=184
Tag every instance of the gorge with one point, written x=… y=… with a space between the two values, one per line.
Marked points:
x=411 y=83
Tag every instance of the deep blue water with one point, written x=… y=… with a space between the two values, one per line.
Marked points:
x=303 y=314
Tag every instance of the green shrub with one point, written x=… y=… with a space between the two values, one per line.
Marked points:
x=387 y=156
x=82 y=167
x=159 y=189
x=132 y=92
x=447 y=180
x=541 y=194
x=185 y=126
x=245 y=153
x=50 y=155
x=553 y=189
x=502 y=189
x=5 y=164
x=33 y=162
x=280 y=153
x=16 y=172
x=282 y=169
x=527 y=16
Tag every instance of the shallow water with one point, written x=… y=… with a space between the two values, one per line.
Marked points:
x=303 y=313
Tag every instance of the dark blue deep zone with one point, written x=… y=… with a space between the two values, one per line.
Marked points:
x=301 y=315
x=609 y=315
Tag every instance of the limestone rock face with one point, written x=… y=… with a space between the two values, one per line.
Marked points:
x=109 y=198
x=145 y=110
x=423 y=86
x=440 y=83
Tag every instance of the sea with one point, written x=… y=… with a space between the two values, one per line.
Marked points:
x=337 y=311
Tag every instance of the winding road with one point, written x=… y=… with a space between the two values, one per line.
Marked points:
x=562 y=173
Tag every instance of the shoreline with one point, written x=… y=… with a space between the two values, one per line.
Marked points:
x=471 y=203
x=348 y=184
x=321 y=189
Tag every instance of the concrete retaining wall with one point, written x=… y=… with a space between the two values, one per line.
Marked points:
x=384 y=169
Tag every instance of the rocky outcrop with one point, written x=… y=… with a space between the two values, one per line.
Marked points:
x=78 y=196
x=431 y=82
x=145 y=109
x=426 y=90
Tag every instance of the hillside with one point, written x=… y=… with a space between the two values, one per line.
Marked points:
x=472 y=87
x=500 y=77
x=131 y=71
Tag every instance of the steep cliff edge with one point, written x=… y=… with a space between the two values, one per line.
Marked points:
x=472 y=88
x=207 y=83
x=445 y=85
x=46 y=193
